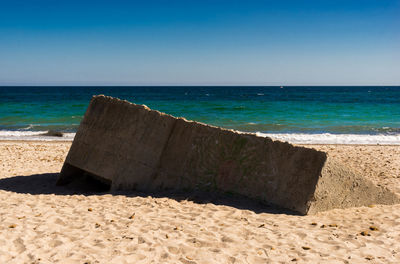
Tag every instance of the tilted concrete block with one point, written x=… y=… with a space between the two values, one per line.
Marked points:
x=131 y=147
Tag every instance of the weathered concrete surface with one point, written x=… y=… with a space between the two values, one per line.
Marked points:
x=132 y=147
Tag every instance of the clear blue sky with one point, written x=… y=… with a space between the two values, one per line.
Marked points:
x=60 y=42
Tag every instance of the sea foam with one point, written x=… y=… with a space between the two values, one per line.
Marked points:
x=327 y=138
x=295 y=138
x=33 y=136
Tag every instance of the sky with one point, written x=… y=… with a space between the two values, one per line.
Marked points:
x=315 y=42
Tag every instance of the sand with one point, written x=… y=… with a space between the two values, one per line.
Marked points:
x=42 y=223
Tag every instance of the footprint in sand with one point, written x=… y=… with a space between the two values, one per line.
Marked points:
x=173 y=250
x=227 y=239
x=55 y=243
x=187 y=261
x=19 y=245
x=165 y=255
x=197 y=243
x=58 y=221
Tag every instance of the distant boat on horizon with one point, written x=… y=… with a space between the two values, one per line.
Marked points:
x=281 y=87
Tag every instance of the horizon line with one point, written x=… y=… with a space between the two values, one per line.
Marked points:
x=192 y=85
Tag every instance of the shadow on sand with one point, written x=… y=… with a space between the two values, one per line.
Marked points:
x=46 y=184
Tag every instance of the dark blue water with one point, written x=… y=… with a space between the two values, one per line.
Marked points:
x=337 y=110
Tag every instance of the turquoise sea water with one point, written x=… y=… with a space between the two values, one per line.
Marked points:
x=307 y=110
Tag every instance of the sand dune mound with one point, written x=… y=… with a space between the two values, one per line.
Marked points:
x=128 y=146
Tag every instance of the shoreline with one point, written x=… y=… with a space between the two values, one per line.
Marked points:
x=293 y=138
x=296 y=144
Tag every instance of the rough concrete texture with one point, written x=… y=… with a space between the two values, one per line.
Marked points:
x=132 y=147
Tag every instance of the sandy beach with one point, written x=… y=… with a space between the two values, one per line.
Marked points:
x=43 y=223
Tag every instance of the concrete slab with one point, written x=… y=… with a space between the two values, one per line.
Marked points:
x=132 y=147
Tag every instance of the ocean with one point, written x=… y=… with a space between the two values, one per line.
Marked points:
x=298 y=114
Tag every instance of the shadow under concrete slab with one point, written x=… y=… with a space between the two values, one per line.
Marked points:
x=46 y=184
